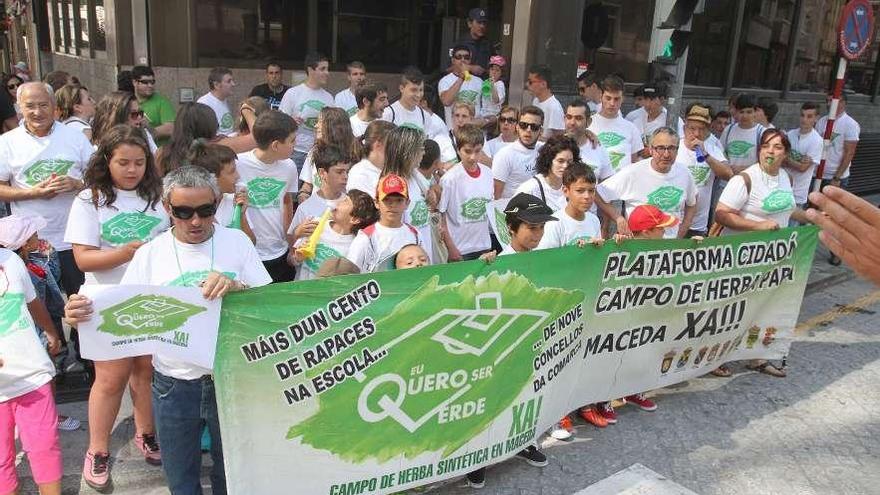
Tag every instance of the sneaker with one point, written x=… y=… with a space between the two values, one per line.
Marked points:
x=533 y=456
x=96 y=472
x=477 y=479
x=606 y=410
x=563 y=429
x=644 y=403
x=592 y=416
x=66 y=423
x=148 y=446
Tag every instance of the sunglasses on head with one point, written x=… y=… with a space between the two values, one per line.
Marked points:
x=136 y=114
x=529 y=125
x=146 y=81
x=187 y=212
x=507 y=120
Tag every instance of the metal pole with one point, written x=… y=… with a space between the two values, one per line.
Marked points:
x=829 y=125
x=792 y=48
x=734 y=45
x=519 y=53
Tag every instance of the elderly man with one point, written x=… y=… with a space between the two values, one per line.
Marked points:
x=41 y=167
x=658 y=181
x=218 y=260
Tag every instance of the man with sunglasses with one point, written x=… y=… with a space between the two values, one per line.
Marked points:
x=158 y=110
x=195 y=252
x=515 y=163
x=460 y=84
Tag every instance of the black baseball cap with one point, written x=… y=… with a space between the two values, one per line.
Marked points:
x=529 y=209
x=478 y=15
x=653 y=91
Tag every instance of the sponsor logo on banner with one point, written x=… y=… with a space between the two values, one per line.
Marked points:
x=147 y=314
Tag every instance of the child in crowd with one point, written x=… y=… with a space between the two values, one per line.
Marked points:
x=332 y=167
x=494 y=93
x=352 y=213
x=332 y=129
x=411 y=256
x=374 y=247
x=270 y=175
x=576 y=225
x=428 y=177
x=466 y=193
x=364 y=175
x=741 y=139
x=220 y=161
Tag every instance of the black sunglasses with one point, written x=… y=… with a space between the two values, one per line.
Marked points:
x=461 y=56
x=136 y=114
x=507 y=120
x=11 y=86
x=529 y=125
x=187 y=212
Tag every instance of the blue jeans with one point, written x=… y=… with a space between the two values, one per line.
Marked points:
x=181 y=409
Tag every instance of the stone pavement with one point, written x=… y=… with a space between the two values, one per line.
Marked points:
x=811 y=433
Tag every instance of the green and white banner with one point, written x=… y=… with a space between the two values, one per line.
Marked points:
x=382 y=382
x=139 y=320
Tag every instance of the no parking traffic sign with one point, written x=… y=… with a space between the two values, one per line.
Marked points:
x=856 y=28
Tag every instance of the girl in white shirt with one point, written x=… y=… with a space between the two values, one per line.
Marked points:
x=332 y=129
x=553 y=158
x=76 y=108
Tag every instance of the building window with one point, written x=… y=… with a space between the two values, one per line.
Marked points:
x=79 y=26
x=764 y=44
x=710 y=42
x=625 y=50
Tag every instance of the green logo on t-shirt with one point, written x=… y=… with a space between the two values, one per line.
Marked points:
x=573 y=241
x=615 y=158
x=351 y=111
x=468 y=96
x=147 y=314
x=474 y=209
x=834 y=136
x=419 y=214
x=410 y=125
x=323 y=253
x=43 y=169
x=10 y=312
x=501 y=227
x=194 y=278
x=127 y=227
x=311 y=122
x=777 y=201
x=265 y=192
x=739 y=149
x=667 y=198
x=700 y=174
x=316 y=179
x=796 y=155
x=610 y=139
x=226 y=121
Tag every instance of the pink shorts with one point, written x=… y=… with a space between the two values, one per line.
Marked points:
x=37 y=420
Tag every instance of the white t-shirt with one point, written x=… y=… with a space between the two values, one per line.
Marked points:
x=597 y=159
x=267 y=183
x=358 y=126
x=129 y=219
x=167 y=261
x=494 y=145
x=374 y=247
x=26 y=160
x=640 y=184
x=704 y=179
x=330 y=245
x=313 y=207
x=554 y=198
x=417 y=213
x=804 y=145
x=470 y=92
x=417 y=118
x=225 y=122
x=635 y=113
x=567 y=231
x=304 y=103
x=845 y=129
x=554 y=115
x=594 y=106
x=465 y=201
x=26 y=365
x=491 y=109
x=309 y=172
x=78 y=124
x=225 y=209
x=364 y=176
x=513 y=165
x=741 y=145
x=620 y=138
x=771 y=197
x=345 y=100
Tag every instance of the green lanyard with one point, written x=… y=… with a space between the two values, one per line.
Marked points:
x=177 y=257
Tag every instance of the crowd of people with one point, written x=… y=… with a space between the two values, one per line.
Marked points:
x=299 y=184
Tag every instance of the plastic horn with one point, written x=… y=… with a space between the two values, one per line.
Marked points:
x=308 y=250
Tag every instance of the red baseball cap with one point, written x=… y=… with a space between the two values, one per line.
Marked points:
x=391 y=184
x=647 y=217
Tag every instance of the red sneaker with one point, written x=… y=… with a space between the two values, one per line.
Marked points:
x=593 y=417
x=644 y=403
x=606 y=410
x=96 y=472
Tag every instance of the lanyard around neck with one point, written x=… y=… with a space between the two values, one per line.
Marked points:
x=177 y=257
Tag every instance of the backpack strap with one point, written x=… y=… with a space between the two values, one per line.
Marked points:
x=541 y=188
x=747 y=179
x=393 y=115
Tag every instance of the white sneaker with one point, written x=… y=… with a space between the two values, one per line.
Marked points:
x=560 y=433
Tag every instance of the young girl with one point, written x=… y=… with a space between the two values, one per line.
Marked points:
x=364 y=175
x=333 y=129
x=117 y=212
x=220 y=161
x=117 y=108
x=553 y=158
x=494 y=92
x=26 y=400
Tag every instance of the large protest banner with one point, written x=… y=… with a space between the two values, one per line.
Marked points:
x=382 y=382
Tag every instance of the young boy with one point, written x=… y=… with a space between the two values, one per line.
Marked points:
x=374 y=247
x=333 y=173
x=576 y=225
x=270 y=174
x=805 y=154
x=351 y=214
x=406 y=110
x=411 y=256
x=466 y=191
x=740 y=139
x=220 y=161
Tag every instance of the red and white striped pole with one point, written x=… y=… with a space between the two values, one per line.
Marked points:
x=829 y=125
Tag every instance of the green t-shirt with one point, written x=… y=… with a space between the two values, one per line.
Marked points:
x=158 y=111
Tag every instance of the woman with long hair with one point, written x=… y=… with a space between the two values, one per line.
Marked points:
x=119 y=107
x=11 y=82
x=332 y=129
x=76 y=108
x=248 y=111
x=404 y=148
x=553 y=158
x=364 y=175
x=506 y=128
x=194 y=121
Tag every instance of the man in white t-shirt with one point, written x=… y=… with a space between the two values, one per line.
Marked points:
x=619 y=136
x=705 y=160
x=220 y=86
x=304 y=101
x=741 y=140
x=406 y=112
x=515 y=163
x=844 y=140
x=638 y=100
x=540 y=78
x=593 y=154
x=459 y=84
x=345 y=99
x=41 y=167
x=658 y=181
x=806 y=153
x=372 y=98
x=588 y=88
